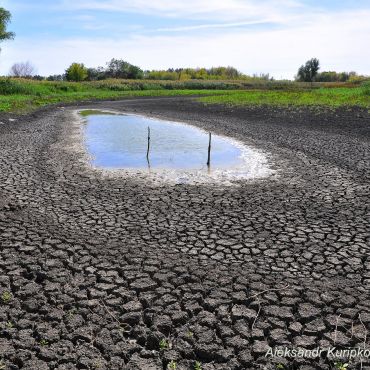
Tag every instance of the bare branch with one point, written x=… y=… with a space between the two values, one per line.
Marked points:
x=365 y=334
x=336 y=329
x=24 y=69
x=259 y=310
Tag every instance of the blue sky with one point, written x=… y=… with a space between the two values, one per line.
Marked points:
x=256 y=36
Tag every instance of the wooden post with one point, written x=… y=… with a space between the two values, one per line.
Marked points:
x=209 y=150
x=148 y=149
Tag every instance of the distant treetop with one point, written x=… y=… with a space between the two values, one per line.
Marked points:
x=24 y=69
x=5 y=17
x=308 y=71
x=76 y=72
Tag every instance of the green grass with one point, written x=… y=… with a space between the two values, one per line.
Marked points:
x=89 y=112
x=6 y=297
x=24 y=103
x=163 y=344
x=21 y=95
x=326 y=97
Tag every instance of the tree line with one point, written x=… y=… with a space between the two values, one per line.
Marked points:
x=309 y=72
x=118 y=68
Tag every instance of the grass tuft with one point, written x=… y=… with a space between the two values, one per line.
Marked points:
x=6 y=297
x=163 y=344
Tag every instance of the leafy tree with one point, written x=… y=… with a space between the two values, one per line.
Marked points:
x=118 y=68
x=308 y=72
x=232 y=73
x=55 y=78
x=161 y=75
x=76 y=72
x=38 y=78
x=332 y=76
x=94 y=74
x=201 y=74
x=5 y=17
x=135 y=72
x=182 y=74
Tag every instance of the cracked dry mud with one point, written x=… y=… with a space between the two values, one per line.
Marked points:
x=115 y=273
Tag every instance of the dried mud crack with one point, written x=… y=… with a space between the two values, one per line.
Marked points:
x=114 y=273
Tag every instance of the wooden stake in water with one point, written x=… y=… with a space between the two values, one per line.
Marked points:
x=147 y=152
x=209 y=150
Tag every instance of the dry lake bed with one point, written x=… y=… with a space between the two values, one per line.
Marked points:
x=120 y=266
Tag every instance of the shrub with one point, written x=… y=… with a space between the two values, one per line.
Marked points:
x=65 y=87
x=10 y=87
x=366 y=88
x=6 y=297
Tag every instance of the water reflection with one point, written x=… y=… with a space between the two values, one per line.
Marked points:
x=121 y=141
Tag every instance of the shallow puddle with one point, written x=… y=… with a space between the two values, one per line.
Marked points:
x=120 y=141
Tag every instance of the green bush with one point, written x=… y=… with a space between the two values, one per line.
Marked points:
x=149 y=86
x=200 y=85
x=366 y=88
x=66 y=87
x=128 y=86
x=10 y=87
x=114 y=87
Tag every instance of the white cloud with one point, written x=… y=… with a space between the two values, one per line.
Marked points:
x=214 y=25
x=339 y=40
x=227 y=10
